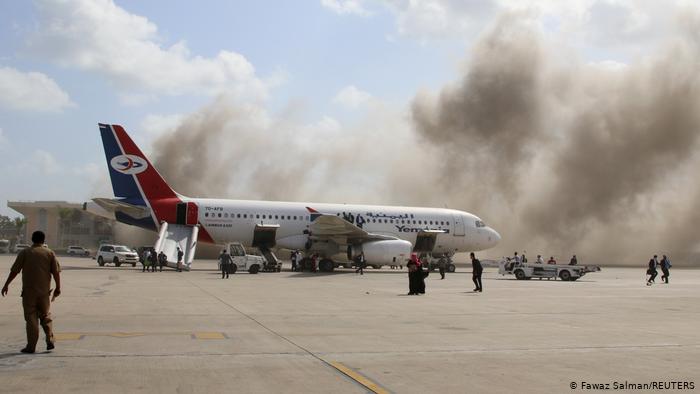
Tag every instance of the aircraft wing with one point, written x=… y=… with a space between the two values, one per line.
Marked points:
x=114 y=205
x=331 y=226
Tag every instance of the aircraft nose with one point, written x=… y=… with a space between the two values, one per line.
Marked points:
x=493 y=237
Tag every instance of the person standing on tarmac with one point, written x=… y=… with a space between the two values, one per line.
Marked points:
x=179 y=259
x=162 y=260
x=442 y=264
x=293 y=258
x=145 y=259
x=651 y=271
x=361 y=264
x=37 y=264
x=477 y=270
x=153 y=257
x=226 y=262
x=665 y=265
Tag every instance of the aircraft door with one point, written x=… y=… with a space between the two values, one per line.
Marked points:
x=192 y=214
x=186 y=214
x=458 y=225
x=181 y=213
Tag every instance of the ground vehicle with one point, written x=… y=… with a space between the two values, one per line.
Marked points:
x=4 y=246
x=116 y=254
x=78 y=251
x=19 y=247
x=524 y=271
x=252 y=263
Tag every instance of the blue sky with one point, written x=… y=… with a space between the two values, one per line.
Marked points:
x=67 y=65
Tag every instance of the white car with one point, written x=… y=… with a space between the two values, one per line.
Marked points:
x=19 y=247
x=78 y=251
x=117 y=255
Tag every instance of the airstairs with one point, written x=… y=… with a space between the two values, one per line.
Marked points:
x=172 y=236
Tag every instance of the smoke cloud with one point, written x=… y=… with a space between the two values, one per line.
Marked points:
x=559 y=155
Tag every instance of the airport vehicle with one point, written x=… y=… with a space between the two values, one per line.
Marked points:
x=336 y=232
x=252 y=263
x=77 y=250
x=117 y=255
x=4 y=246
x=526 y=271
x=19 y=247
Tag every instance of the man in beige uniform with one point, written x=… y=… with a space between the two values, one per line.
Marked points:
x=37 y=264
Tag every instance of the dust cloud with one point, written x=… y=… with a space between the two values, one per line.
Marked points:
x=559 y=155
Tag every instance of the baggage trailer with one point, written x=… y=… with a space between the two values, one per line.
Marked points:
x=526 y=271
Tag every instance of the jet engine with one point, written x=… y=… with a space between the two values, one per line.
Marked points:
x=382 y=252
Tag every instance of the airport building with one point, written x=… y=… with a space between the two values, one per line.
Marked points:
x=64 y=223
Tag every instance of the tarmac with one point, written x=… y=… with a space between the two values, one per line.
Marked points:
x=121 y=330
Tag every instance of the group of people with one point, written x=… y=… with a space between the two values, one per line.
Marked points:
x=419 y=270
x=517 y=259
x=151 y=260
x=664 y=264
x=296 y=258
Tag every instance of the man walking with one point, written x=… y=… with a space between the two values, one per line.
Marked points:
x=477 y=270
x=37 y=265
x=360 y=264
x=145 y=259
x=162 y=260
x=442 y=264
x=226 y=262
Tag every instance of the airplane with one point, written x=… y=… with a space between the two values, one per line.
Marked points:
x=334 y=232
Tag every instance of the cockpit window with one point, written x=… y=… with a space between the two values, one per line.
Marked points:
x=480 y=224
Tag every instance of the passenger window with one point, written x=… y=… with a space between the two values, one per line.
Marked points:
x=219 y=215
x=289 y=217
x=257 y=216
x=295 y=218
x=245 y=216
x=226 y=215
x=276 y=217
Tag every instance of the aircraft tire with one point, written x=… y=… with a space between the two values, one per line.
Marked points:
x=326 y=265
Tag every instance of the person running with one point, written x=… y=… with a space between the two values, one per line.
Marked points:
x=477 y=270
x=651 y=271
x=665 y=266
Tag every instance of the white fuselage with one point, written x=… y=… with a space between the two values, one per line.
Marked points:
x=235 y=221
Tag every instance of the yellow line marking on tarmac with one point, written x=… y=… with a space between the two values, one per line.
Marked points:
x=76 y=336
x=68 y=336
x=208 y=335
x=370 y=385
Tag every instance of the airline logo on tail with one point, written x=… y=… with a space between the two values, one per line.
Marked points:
x=129 y=164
